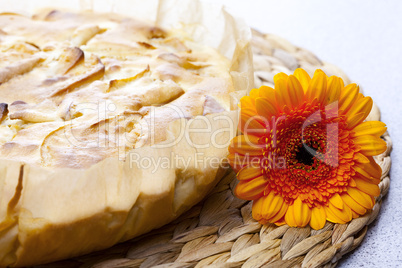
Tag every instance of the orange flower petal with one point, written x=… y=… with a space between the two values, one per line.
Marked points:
x=251 y=189
x=355 y=120
x=272 y=205
x=367 y=187
x=302 y=213
x=254 y=93
x=265 y=108
x=249 y=172
x=289 y=97
x=239 y=161
x=370 y=179
x=348 y=97
x=267 y=199
x=265 y=91
x=246 y=102
x=281 y=94
x=280 y=223
x=350 y=202
x=303 y=78
x=318 y=218
x=336 y=200
x=376 y=128
x=246 y=145
x=248 y=111
x=361 y=158
x=345 y=214
x=355 y=215
x=332 y=217
x=268 y=93
x=256 y=209
x=280 y=76
x=370 y=170
x=334 y=86
x=363 y=105
x=295 y=91
x=370 y=144
x=362 y=198
x=280 y=214
x=290 y=216
x=363 y=173
x=251 y=123
x=319 y=71
x=317 y=87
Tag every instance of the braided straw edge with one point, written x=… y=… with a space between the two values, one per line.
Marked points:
x=220 y=231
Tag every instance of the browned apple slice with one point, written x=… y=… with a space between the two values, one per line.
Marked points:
x=45 y=111
x=18 y=68
x=70 y=57
x=83 y=73
x=85 y=33
x=3 y=111
x=116 y=83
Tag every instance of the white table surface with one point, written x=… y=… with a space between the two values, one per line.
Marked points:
x=363 y=38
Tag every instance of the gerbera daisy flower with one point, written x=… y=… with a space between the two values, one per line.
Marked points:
x=305 y=154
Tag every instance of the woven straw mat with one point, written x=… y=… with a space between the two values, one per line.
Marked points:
x=220 y=231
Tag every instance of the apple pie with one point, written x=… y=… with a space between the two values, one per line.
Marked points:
x=109 y=127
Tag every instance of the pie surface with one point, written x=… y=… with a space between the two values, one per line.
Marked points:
x=77 y=88
x=84 y=99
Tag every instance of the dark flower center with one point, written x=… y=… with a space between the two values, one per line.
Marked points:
x=305 y=156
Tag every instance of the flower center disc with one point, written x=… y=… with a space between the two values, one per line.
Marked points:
x=305 y=156
x=310 y=153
